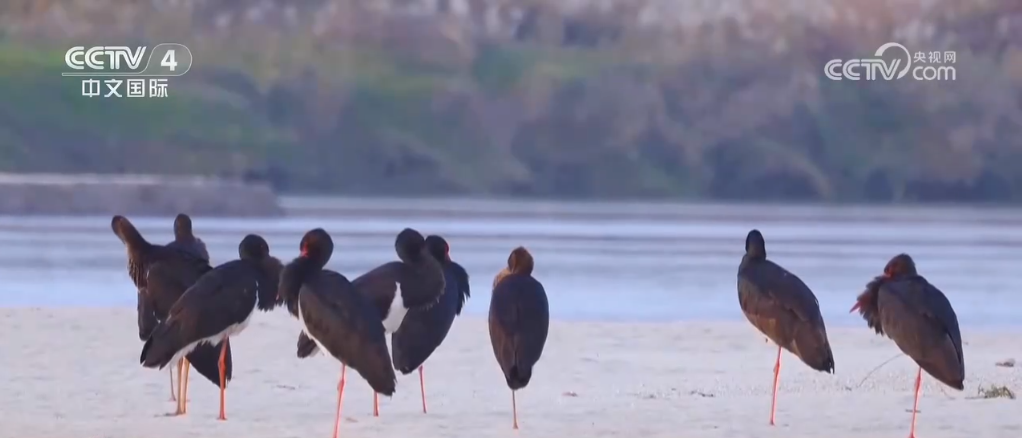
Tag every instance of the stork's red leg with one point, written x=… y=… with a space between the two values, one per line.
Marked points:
x=777 y=384
x=180 y=387
x=182 y=383
x=514 y=409
x=376 y=404
x=170 y=370
x=422 y=389
x=915 y=406
x=340 y=398
x=223 y=379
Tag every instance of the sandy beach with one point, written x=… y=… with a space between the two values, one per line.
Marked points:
x=75 y=372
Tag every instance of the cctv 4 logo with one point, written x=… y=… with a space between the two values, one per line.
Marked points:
x=102 y=58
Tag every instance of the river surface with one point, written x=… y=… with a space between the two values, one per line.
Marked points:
x=608 y=261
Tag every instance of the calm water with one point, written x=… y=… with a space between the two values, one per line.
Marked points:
x=603 y=261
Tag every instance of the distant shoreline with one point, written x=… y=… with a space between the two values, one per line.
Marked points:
x=44 y=194
x=509 y=208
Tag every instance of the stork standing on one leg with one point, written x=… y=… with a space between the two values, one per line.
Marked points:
x=335 y=318
x=424 y=330
x=919 y=318
x=162 y=273
x=416 y=281
x=519 y=322
x=781 y=306
x=219 y=305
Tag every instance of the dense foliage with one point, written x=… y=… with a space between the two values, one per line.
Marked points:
x=334 y=97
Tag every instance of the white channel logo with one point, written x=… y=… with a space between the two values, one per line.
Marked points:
x=872 y=69
x=78 y=58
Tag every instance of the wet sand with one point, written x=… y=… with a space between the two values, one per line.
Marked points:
x=75 y=373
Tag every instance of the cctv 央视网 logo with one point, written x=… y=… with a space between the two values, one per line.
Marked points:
x=871 y=68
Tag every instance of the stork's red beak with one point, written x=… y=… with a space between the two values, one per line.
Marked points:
x=855 y=307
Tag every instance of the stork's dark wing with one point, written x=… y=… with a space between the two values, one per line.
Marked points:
x=920 y=319
x=200 y=249
x=222 y=297
x=766 y=290
x=781 y=306
x=348 y=327
x=417 y=339
x=146 y=317
x=461 y=277
x=267 y=272
x=421 y=332
x=422 y=282
x=937 y=306
x=379 y=286
x=195 y=248
x=167 y=280
x=290 y=283
x=519 y=323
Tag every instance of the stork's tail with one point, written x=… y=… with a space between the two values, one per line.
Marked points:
x=811 y=345
x=205 y=358
x=163 y=344
x=306 y=346
x=518 y=377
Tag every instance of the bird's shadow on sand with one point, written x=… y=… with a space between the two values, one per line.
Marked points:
x=168 y=414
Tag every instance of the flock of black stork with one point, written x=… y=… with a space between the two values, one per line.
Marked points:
x=900 y=303
x=188 y=310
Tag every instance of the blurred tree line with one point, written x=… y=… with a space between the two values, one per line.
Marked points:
x=620 y=99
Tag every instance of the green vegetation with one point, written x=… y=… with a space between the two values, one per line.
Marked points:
x=422 y=109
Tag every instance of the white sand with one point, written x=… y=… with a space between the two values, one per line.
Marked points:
x=75 y=373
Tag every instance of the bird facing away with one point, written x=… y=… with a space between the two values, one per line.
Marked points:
x=781 y=306
x=423 y=330
x=335 y=317
x=519 y=322
x=185 y=240
x=416 y=281
x=918 y=317
x=161 y=275
x=219 y=305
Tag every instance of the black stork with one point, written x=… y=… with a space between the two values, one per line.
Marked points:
x=219 y=305
x=519 y=322
x=781 y=306
x=162 y=274
x=185 y=240
x=423 y=330
x=394 y=288
x=918 y=317
x=335 y=317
